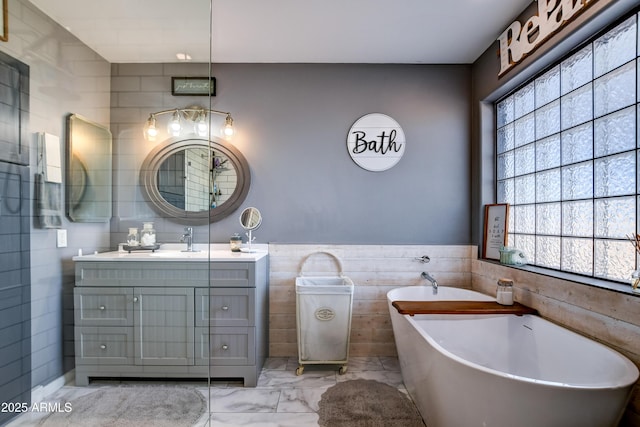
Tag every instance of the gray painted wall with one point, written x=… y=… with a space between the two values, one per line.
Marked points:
x=292 y=122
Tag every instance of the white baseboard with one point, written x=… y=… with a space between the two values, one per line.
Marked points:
x=41 y=392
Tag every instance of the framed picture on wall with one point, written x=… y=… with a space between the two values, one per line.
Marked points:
x=193 y=86
x=4 y=22
x=496 y=218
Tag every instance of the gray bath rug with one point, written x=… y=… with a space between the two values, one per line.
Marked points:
x=367 y=403
x=153 y=406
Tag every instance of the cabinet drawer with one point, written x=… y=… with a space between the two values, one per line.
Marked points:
x=109 y=345
x=225 y=346
x=225 y=307
x=103 y=306
x=232 y=274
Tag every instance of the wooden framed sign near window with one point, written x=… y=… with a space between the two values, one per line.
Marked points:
x=4 y=22
x=496 y=218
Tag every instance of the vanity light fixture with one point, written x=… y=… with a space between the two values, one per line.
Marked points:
x=188 y=120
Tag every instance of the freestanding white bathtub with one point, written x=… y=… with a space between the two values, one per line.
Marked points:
x=505 y=370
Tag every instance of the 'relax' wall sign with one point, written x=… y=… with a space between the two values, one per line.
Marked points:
x=518 y=40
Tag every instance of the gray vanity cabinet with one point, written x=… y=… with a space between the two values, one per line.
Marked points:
x=177 y=328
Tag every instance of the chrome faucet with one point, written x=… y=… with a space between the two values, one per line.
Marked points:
x=187 y=238
x=434 y=282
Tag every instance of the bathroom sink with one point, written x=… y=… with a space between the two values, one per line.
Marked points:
x=179 y=254
x=175 y=252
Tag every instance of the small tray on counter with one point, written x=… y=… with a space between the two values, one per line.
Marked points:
x=141 y=248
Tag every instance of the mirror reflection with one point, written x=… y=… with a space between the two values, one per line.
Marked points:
x=250 y=218
x=196 y=179
x=89 y=172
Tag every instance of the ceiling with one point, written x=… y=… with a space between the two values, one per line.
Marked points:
x=288 y=31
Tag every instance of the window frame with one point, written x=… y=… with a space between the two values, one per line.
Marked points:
x=526 y=174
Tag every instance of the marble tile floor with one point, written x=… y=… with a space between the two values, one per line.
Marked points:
x=281 y=398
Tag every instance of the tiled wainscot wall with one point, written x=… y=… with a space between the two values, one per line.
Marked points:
x=374 y=271
x=610 y=317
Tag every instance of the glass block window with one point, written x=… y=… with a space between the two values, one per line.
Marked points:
x=567 y=159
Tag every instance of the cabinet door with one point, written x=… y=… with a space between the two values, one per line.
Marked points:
x=163 y=327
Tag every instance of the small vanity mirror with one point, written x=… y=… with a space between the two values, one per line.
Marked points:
x=89 y=173
x=195 y=181
x=250 y=219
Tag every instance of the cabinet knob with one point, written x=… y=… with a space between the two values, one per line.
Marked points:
x=225 y=307
x=102 y=307
x=103 y=347
x=225 y=347
x=135 y=299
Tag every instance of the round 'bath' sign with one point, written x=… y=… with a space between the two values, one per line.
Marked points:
x=376 y=142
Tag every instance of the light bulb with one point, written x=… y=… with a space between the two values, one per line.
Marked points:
x=150 y=130
x=174 y=126
x=228 y=127
x=202 y=129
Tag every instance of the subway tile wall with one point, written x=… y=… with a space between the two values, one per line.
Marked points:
x=66 y=77
x=374 y=269
x=197 y=180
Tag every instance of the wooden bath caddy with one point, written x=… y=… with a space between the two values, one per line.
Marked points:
x=460 y=307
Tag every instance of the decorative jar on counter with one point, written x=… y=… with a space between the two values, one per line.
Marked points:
x=635 y=281
x=132 y=237
x=504 y=294
x=148 y=237
x=235 y=242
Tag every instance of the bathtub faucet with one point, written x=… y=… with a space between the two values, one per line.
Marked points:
x=433 y=281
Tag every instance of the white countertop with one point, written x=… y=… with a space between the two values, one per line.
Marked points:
x=176 y=252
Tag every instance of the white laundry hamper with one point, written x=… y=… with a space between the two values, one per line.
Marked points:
x=323 y=313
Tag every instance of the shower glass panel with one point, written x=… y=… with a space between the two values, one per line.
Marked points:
x=116 y=63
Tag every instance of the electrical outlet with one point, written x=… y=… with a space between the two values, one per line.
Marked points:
x=62 y=238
